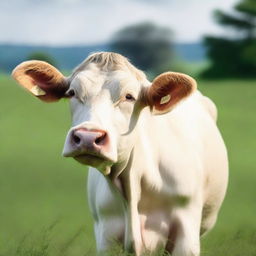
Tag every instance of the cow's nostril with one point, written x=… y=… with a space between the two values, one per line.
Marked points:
x=100 y=140
x=76 y=139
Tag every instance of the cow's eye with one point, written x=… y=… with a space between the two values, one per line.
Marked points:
x=70 y=93
x=129 y=97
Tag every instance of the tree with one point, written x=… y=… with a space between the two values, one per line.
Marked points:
x=234 y=57
x=42 y=56
x=147 y=45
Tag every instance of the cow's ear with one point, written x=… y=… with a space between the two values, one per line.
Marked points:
x=41 y=79
x=167 y=90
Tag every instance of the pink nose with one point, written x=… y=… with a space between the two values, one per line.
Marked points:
x=89 y=140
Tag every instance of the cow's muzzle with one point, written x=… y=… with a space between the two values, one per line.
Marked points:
x=88 y=146
x=89 y=140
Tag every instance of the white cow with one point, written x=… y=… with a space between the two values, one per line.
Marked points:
x=159 y=165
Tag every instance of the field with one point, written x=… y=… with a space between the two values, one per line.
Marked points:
x=43 y=208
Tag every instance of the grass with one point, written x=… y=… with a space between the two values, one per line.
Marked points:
x=44 y=209
x=235 y=232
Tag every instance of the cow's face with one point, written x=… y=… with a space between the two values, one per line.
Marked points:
x=105 y=104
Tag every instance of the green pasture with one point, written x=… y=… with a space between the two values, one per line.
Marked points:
x=43 y=204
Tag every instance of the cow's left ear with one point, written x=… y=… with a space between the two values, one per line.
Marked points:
x=41 y=79
x=167 y=90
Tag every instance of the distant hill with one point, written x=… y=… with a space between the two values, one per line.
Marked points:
x=191 y=52
x=68 y=57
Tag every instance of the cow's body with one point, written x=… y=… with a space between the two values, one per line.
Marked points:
x=160 y=168
x=176 y=182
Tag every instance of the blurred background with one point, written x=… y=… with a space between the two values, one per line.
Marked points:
x=43 y=208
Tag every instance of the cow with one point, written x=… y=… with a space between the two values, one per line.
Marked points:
x=158 y=164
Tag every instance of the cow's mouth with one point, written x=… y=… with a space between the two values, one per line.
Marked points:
x=93 y=159
x=92 y=156
x=100 y=162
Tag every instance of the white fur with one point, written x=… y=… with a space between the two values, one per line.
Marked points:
x=169 y=172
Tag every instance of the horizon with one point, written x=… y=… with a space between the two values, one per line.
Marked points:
x=82 y=45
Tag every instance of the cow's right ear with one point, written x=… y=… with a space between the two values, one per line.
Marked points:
x=167 y=90
x=41 y=79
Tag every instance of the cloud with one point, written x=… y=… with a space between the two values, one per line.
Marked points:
x=65 y=22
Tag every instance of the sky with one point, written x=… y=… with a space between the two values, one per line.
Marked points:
x=87 y=22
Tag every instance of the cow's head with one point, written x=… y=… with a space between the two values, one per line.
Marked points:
x=107 y=95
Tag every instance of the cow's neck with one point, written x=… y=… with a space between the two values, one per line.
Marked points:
x=127 y=176
x=136 y=163
x=119 y=174
x=129 y=187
